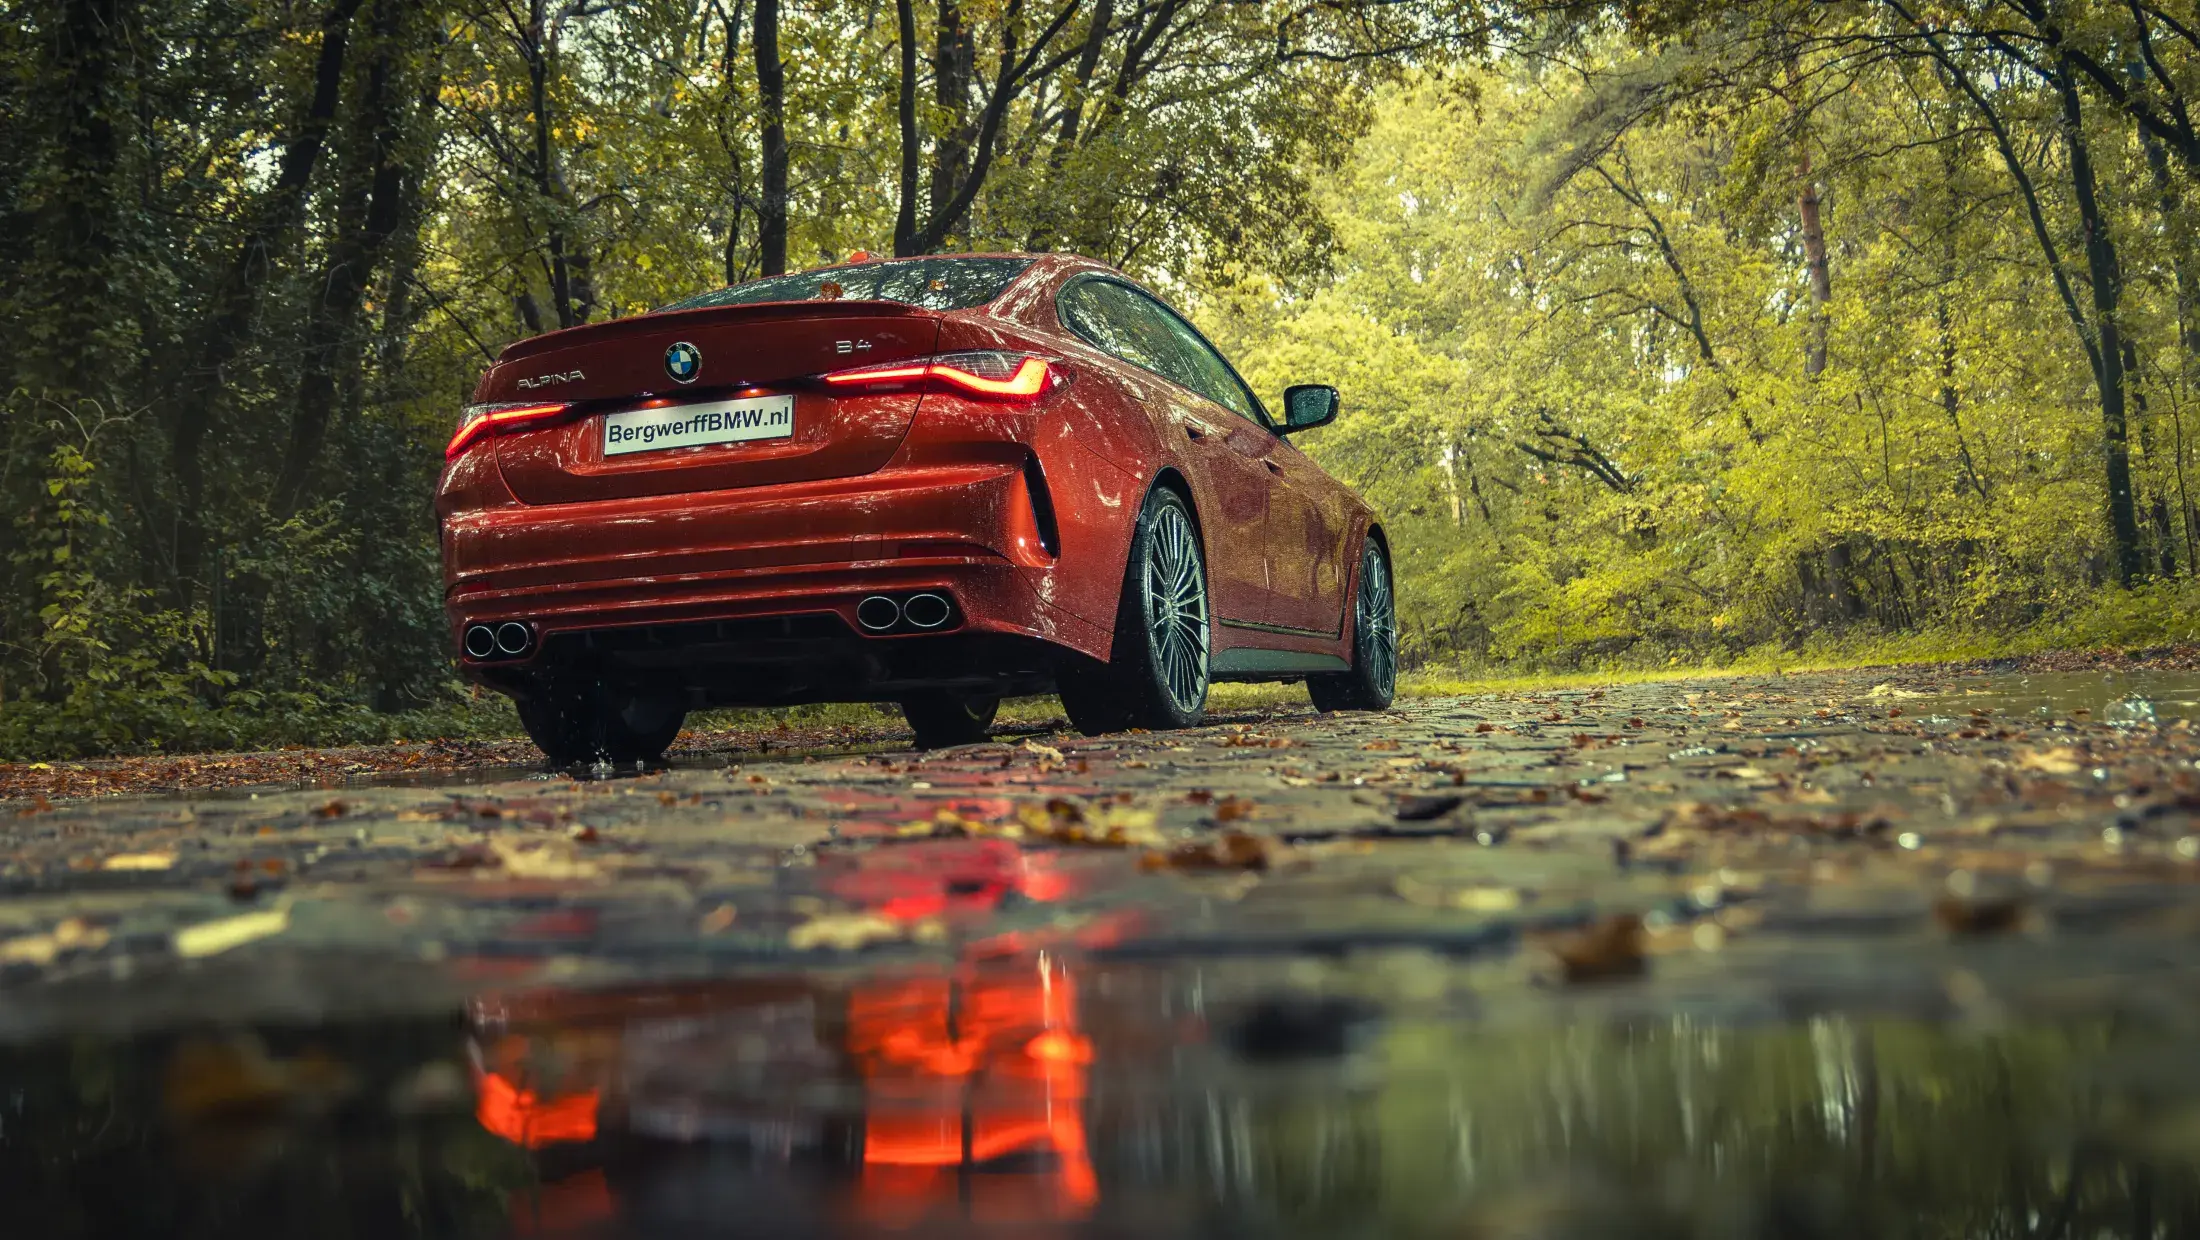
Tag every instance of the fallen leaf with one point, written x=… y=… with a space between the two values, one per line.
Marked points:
x=2061 y=760
x=1060 y=820
x=71 y=934
x=844 y=932
x=1233 y=809
x=552 y=860
x=1233 y=850
x=1384 y=744
x=139 y=861
x=1607 y=949
x=1478 y=898
x=211 y=938
x=1427 y=808
x=1978 y=915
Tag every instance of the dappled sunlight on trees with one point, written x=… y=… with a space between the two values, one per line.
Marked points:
x=1678 y=342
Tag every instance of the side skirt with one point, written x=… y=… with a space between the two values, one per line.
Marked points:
x=1243 y=663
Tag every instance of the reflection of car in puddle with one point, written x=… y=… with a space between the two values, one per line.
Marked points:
x=918 y=1097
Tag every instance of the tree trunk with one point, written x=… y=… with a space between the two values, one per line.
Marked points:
x=2186 y=271
x=728 y=57
x=228 y=318
x=370 y=202
x=1073 y=119
x=79 y=227
x=905 y=112
x=572 y=292
x=2107 y=281
x=1821 y=276
x=771 y=91
x=954 y=59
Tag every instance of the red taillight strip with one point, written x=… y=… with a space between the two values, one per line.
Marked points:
x=877 y=375
x=501 y=419
x=1033 y=377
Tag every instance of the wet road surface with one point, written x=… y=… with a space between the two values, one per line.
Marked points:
x=1889 y=952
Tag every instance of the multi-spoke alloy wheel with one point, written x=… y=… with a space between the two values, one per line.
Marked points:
x=1374 y=674
x=1157 y=677
x=1176 y=607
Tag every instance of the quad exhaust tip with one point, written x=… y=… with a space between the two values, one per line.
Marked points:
x=508 y=640
x=513 y=638
x=926 y=611
x=878 y=613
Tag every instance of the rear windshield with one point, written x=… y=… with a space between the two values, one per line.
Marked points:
x=933 y=283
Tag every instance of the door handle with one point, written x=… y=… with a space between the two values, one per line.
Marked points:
x=1272 y=466
x=1196 y=431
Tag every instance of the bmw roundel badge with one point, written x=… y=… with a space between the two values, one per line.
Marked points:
x=684 y=362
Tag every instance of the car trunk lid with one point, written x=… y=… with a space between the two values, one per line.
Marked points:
x=750 y=354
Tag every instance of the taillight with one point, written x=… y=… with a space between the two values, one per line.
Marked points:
x=480 y=421
x=988 y=374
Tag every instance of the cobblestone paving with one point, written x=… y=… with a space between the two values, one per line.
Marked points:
x=1932 y=838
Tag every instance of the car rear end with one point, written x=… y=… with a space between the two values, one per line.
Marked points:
x=726 y=498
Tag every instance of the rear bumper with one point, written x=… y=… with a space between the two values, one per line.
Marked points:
x=580 y=573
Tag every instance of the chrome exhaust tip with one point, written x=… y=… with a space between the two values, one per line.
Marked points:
x=878 y=613
x=926 y=611
x=513 y=638
x=480 y=641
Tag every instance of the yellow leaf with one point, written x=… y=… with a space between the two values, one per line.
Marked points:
x=211 y=938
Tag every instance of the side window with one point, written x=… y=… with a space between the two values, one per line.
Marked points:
x=1211 y=377
x=1130 y=325
x=1112 y=318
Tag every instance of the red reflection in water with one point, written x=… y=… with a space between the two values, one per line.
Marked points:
x=970 y=1070
x=518 y=1116
x=958 y=880
x=972 y=1083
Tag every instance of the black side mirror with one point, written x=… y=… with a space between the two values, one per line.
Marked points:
x=1308 y=405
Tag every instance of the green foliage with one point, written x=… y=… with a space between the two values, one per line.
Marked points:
x=1576 y=352
x=253 y=258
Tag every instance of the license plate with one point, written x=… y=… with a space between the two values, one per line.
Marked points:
x=689 y=426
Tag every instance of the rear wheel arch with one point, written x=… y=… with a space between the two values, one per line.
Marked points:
x=1173 y=478
x=1158 y=667
x=1376 y=535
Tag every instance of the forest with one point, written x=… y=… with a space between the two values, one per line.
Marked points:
x=1668 y=331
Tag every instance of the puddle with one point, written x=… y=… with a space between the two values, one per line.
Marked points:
x=1026 y=1095
x=2128 y=697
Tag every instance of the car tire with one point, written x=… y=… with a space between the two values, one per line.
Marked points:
x=574 y=724
x=1373 y=678
x=942 y=719
x=1159 y=673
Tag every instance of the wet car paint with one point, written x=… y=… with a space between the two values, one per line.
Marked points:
x=881 y=493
